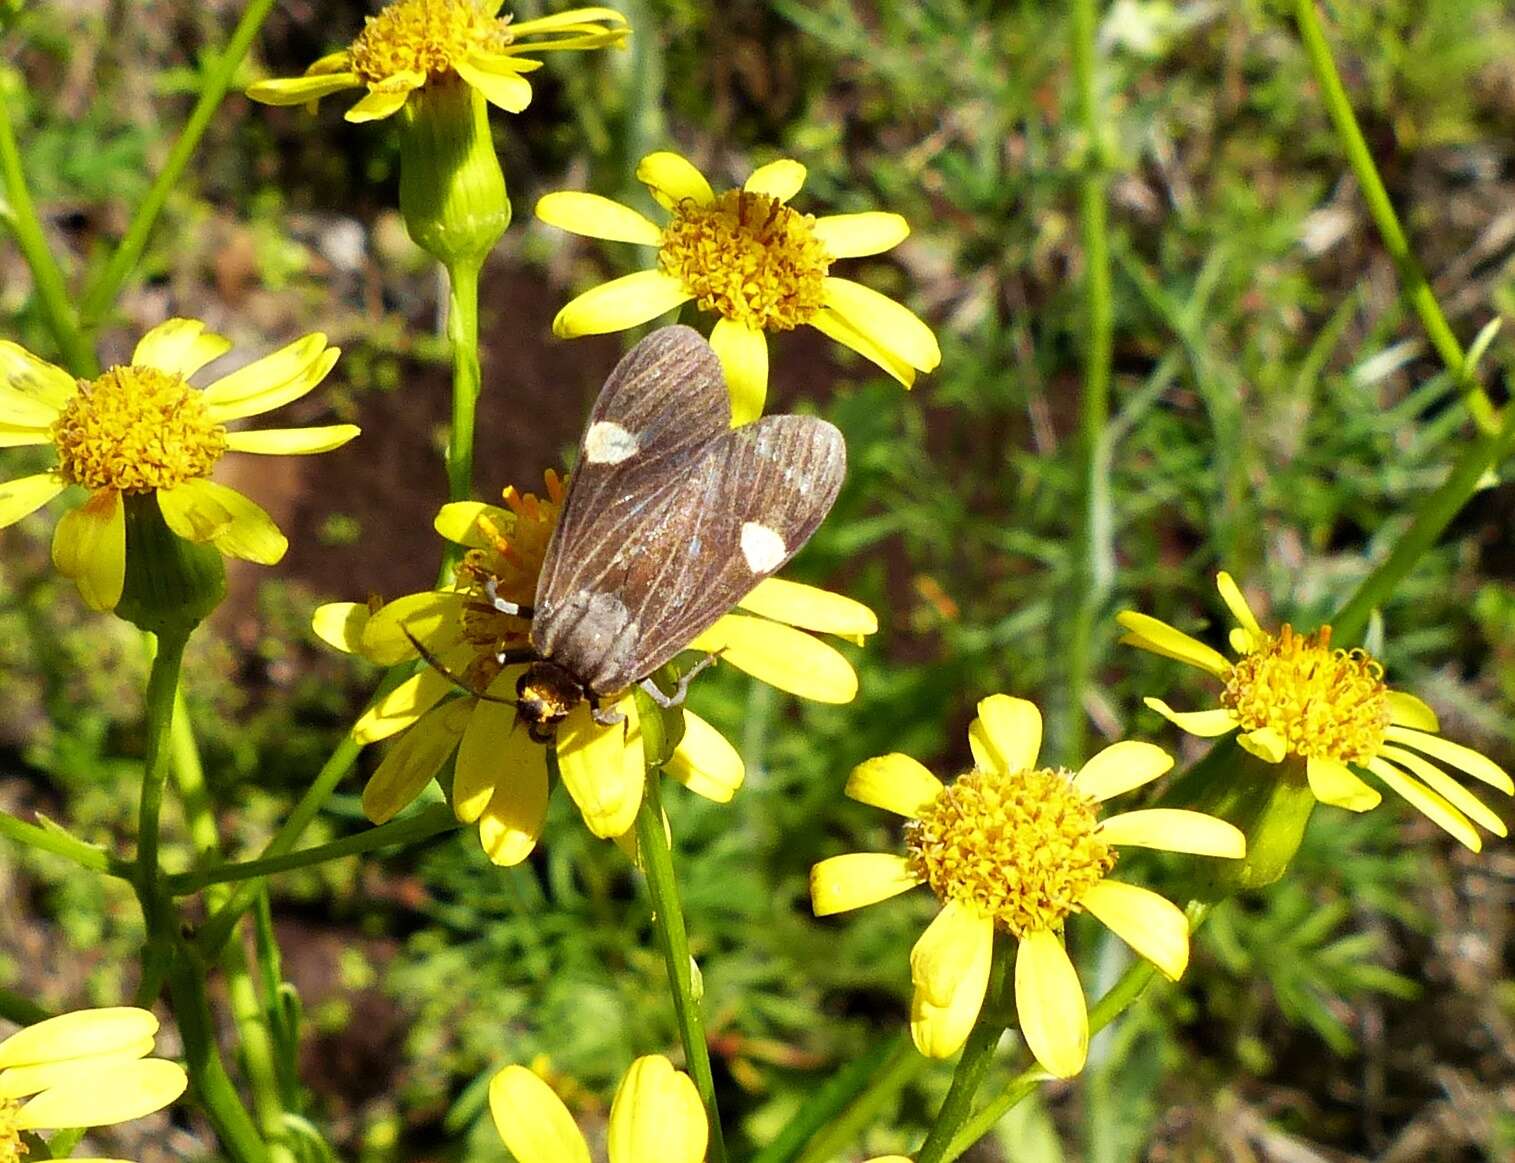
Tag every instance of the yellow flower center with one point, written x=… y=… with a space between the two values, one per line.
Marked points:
x=512 y=561
x=749 y=258
x=1322 y=702
x=1021 y=848
x=136 y=429
x=424 y=36
x=12 y=1149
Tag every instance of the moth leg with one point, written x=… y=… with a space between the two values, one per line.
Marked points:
x=457 y=680
x=516 y=657
x=492 y=592
x=605 y=717
x=668 y=702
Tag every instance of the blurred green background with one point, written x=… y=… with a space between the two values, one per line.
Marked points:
x=1276 y=413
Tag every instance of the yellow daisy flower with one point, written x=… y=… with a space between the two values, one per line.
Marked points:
x=1296 y=699
x=142 y=430
x=85 y=1069
x=749 y=258
x=1016 y=847
x=414 y=43
x=500 y=779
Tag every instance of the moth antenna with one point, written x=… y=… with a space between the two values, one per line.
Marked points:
x=457 y=680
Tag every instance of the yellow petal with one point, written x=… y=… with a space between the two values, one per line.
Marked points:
x=24 y=411
x=782 y=657
x=1243 y=641
x=1160 y=638
x=414 y=760
x=840 y=883
x=340 y=625
x=895 y=783
x=657 y=1116
x=1405 y=710
x=24 y=496
x=603 y=768
x=1205 y=724
x=705 y=761
x=1236 y=602
x=401 y=707
x=89 y=546
x=949 y=968
x=300 y=90
x=512 y=821
x=1428 y=803
x=1120 y=768
x=1447 y=788
x=505 y=90
x=458 y=521
x=596 y=217
x=743 y=352
x=1006 y=736
x=21 y=1081
x=202 y=510
x=672 y=179
x=180 y=347
x=834 y=326
x=385 y=101
x=433 y=617
x=810 y=608
x=20 y=436
x=1175 y=830
x=1152 y=925
x=621 y=303
x=106 y=1094
x=1334 y=783
x=856 y=235
x=558 y=20
x=23 y=373
x=1050 y=1005
x=292 y=441
x=781 y=179
x=276 y=379
x=485 y=740
x=892 y=326
x=80 y=1034
x=532 y=1120
x=1465 y=759
x=1265 y=743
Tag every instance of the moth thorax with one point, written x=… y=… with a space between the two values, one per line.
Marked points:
x=544 y=696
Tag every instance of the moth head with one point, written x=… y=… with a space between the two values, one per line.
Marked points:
x=545 y=694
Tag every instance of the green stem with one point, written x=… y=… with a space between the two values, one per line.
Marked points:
x=23 y=1011
x=62 y=844
x=668 y=920
x=162 y=689
x=1412 y=279
x=978 y=1053
x=430 y=821
x=1434 y=513
x=221 y=68
x=848 y=1104
x=463 y=334
x=20 y=215
x=1091 y=581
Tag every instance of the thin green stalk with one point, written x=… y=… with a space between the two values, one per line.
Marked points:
x=62 y=844
x=978 y=1053
x=1412 y=279
x=20 y=214
x=23 y=1011
x=1091 y=580
x=850 y=1103
x=220 y=69
x=463 y=334
x=162 y=689
x=431 y=821
x=668 y=920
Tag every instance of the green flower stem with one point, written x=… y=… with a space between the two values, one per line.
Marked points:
x=162 y=689
x=431 y=821
x=60 y=843
x=668 y=920
x=19 y=213
x=1434 y=513
x=1412 y=279
x=463 y=334
x=23 y=1011
x=978 y=1052
x=220 y=69
x=1091 y=572
x=848 y=1104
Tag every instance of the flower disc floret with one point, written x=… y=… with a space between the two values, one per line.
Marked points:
x=1020 y=847
x=749 y=258
x=12 y=1149
x=136 y=429
x=424 y=36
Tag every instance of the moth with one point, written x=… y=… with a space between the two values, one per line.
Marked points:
x=671 y=517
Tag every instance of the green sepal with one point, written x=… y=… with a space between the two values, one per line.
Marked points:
x=662 y=727
x=171 y=584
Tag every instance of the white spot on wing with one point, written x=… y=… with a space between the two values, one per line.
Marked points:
x=762 y=547
x=607 y=442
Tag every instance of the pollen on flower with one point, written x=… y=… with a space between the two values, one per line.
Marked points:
x=424 y=36
x=1324 y=703
x=512 y=561
x=136 y=429
x=1023 y=848
x=749 y=258
x=12 y=1149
